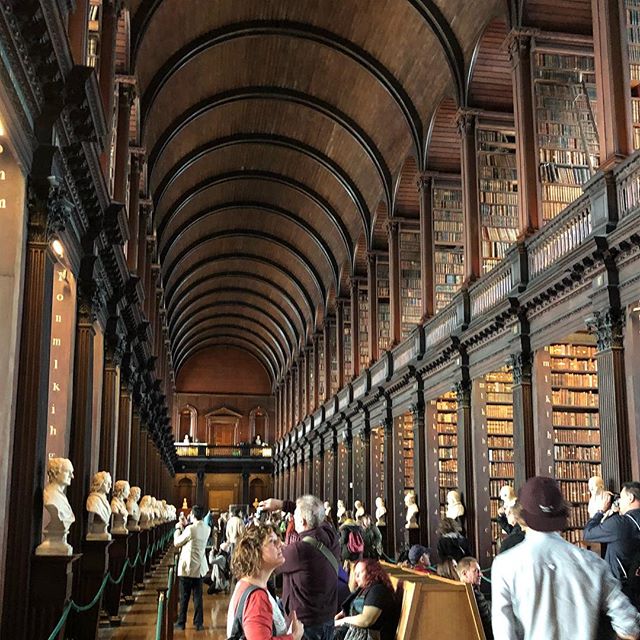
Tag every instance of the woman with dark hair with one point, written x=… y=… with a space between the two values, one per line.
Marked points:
x=253 y=613
x=452 y=544
x=372 y=607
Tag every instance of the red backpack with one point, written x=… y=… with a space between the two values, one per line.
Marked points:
x=355 y=543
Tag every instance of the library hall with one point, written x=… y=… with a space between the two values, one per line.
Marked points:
x=323 y=312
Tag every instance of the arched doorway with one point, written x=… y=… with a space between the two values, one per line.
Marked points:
x=259 y=424
x=186 y=490
x=257 y=490
x=188 y=423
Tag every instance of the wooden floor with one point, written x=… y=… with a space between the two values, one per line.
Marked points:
x=139 y=619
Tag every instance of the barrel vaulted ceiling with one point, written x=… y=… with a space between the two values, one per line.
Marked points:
x=279 y=134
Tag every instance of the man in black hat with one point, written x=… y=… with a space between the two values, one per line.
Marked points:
x=546 y=587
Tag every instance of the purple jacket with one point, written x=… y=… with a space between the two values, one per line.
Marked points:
x=310 y=584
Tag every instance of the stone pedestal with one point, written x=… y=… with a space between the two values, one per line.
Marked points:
x=411 y=537
x=141 y=568
x=383 y=533
x=117 y=559
x=151 y=543
x=129 y=577
x=95 y=562
x=51 y=587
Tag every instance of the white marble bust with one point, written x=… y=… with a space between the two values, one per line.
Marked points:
x=156 y=511
x=340 y=509
x=164 y=511
x=98 y=507
x=381 y=512
x=358 y=509
x=412 y=511
x=455 y=508
x=121 y=490
x=146 y=513
x=54 y=543
x=133 y=510
x=596 y=492
x=327 y=508
x=508 y=496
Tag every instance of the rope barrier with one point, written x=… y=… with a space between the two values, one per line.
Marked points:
x=160 y=617
x=71 y=605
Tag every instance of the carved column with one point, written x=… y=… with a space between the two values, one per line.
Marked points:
x=124 y=435
x=420 y=465
x=612 y=397
x=390 y=495
x=427 y=278
x=465 y=454
x=394 y=281
x=466 y=121
x=28 y=455
x=121 y=174
x=109 y=413
x=524 y=119
x=355 y=327
x=81 y=417
x=524 y=433
x=340 y=341
x=372 y=287
x=613 y=110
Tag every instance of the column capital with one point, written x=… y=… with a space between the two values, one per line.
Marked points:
x=466 y=121
x=393 y=226
x=518 y=44
x=608 y=327
x=521 y=364
x=423 y=182
x=462 y=389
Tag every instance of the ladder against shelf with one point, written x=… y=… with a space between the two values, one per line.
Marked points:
x=565 y=103
x=498 y=191
x=448 y=229
x=410 y=289
x=363 y=306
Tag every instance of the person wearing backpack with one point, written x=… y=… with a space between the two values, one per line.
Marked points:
x=253 y=612
x=310 y=569
x=619 y=527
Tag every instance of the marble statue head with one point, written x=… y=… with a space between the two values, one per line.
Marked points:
x=121 y=489
x=101 y=482
x=60 y=471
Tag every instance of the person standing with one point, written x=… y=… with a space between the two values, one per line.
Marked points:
x=546 y=587
x=191 y=539
x=619 y=528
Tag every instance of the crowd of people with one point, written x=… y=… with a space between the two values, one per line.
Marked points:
x=335 y=587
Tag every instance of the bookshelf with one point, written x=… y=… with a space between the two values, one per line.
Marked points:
x=363 y=306
x=410 y=289
x=347 y=364
x=377 y=463
x=565 y=102
x=321 y=376
x=498 y=192
x=445 y=424
x=93 y=34
x=405 y=426
x=333 y=337
x=448 y=241
x=312 y=380
x=499 y=418
x=633 y=43
x=384 y=308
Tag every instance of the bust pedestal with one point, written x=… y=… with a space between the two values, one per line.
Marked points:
x=383 y=533
x=412 y=536
x=140 y=569
x=94 y=564
x=151 y=557
x=51 y=587
x=129 y=577
x=113 y=591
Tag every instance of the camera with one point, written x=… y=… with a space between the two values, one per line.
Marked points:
x=615 y=500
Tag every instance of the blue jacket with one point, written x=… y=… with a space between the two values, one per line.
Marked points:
x=621 y=535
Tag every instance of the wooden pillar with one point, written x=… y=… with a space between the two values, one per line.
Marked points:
x=524 y=432
x=340 y=341
x=392 y=507
x=134 y=460
x=420 y=464
x=355 y=327
x=519 y=47
x=123 y=469
x=30 y=433
x=121 y=174
x=200 y=487
x=393 y=229
x=77 y=31
x=367 y=491
x=142 y=458
x=81 y=418
x=427 y=277
x=245 y=491
x=109 y=414
x=612 y=397
x=466 y=121
x=465 y=454
x=615 y=130
x=372 y=292
x=106 y=74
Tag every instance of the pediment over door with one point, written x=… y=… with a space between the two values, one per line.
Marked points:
x=222 y=426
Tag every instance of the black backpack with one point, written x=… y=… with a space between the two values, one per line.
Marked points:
x=237 y=632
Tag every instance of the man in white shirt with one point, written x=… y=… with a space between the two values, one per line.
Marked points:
x=191 y=539
x=546 y=588
x=234 y=529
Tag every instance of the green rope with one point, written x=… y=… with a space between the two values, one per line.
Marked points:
x=159 y=618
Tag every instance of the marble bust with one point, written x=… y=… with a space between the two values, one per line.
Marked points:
x=412 y=511
x=381 y=512
x=98 y=507
x=156 y=511
x=508 y=496
x=596 y=492
x=133 y=510
x=340 y=509
x=358 y=509
x=455 y=508
x=146 y=514
x=121 y=490
x=59 y=475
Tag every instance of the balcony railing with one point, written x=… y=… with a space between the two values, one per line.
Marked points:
x=205 y=450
